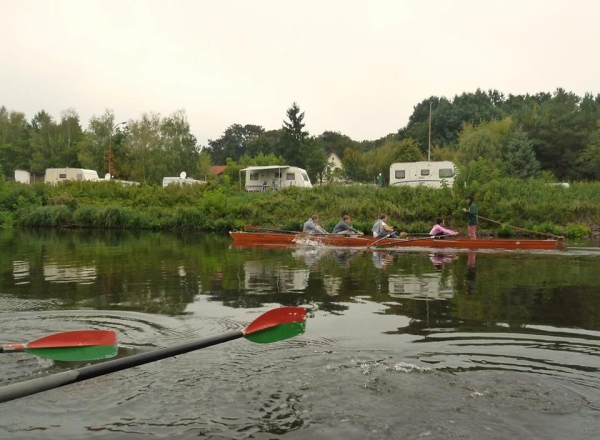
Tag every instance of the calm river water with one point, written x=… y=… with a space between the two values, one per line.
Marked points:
x=398 y=345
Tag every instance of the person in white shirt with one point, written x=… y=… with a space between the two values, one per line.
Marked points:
x=382 y=229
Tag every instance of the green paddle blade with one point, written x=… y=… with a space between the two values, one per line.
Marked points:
x=76 y=354
x=277 y=333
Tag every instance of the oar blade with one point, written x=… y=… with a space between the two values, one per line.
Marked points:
x=77 y=338
x=275 y=317
x=76 y=354
x=278 y=333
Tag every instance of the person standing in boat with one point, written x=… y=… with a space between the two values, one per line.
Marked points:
x=439 y=231
x=382 y=229
x=472 y=218
x=344 y=228
x=312 y=226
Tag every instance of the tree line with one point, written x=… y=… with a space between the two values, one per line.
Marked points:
x=553 y=135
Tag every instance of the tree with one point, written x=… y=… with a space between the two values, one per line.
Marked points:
x=392 y=151
x=486 y=140
x=234 y=142
x=142 y=162
x=294 y=138
x=14 y=140
x=69 y=134
x=354 y=165
x=316 y=159
x=519 y=159
x=266 y=143
x=43 y=142
x=93 y=148
x=335 y=142
x=589 y=160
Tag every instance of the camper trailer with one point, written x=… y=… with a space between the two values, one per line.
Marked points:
x=181 y=180
x=432 y=174
x=55 y=175
x=274 y=177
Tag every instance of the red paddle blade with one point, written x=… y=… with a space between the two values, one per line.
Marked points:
x=275 y=317
x=78 y=338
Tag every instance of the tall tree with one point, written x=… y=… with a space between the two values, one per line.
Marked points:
x=519 y=158
x=94 y=146
x=69 y=134
x=294 y=139
x=316 y=159
x=44 y=148
x=14 y=141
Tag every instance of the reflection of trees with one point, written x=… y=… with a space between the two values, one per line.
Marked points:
x=163 y=273
x=156 y=273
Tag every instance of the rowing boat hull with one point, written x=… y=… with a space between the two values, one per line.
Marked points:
x=277 y=239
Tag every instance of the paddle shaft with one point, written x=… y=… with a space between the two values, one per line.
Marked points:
x=33 y=386
x=10 y=348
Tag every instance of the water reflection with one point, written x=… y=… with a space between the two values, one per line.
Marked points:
x=379 y=320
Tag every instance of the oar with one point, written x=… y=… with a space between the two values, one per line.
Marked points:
x=382 y=238
x=274 y=325
x=74 y=346
x=258 y=228
x=410 y=240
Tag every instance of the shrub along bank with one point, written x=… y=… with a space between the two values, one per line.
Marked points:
x=511 y=207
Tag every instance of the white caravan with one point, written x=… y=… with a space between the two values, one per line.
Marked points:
x=181 y=180
x=432 y=174
x=55 y=175
x=274 y=177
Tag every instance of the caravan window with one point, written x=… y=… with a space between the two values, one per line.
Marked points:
x=400 y=174
x=447 y=172
x=290 y=176
x=424 y=172
x=305 y=177
x=277 y=174
x=62 y=176
x=253 y=176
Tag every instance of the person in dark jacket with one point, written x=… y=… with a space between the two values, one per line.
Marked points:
x=344 y=228
x=472 y=218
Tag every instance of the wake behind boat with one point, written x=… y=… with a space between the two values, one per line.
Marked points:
x=241 y=238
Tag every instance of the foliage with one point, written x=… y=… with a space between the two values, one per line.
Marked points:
x=486 y=140
x=519 y=158
x=294 y=138
x=235 y=142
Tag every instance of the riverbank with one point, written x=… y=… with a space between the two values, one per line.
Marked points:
x=507 y=207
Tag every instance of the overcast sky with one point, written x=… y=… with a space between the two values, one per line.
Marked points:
x=357 y=67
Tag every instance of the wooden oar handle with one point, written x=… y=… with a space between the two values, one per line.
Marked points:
x=8 y=348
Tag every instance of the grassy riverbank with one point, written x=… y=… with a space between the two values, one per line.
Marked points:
x=508 y=204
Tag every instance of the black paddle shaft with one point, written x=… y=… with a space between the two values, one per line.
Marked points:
x=33 y=386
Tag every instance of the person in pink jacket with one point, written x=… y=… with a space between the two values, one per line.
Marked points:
x=439 y=230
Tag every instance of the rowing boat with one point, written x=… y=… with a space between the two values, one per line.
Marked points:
x=241 y=238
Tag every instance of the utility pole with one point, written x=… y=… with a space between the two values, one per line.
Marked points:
x=429 y=154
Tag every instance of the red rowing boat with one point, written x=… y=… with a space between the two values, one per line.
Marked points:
x=285 y=239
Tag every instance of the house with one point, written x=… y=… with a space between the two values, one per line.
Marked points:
x=218 y=170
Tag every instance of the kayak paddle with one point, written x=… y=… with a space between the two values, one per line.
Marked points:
x=274 y=325
x=73 y=346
